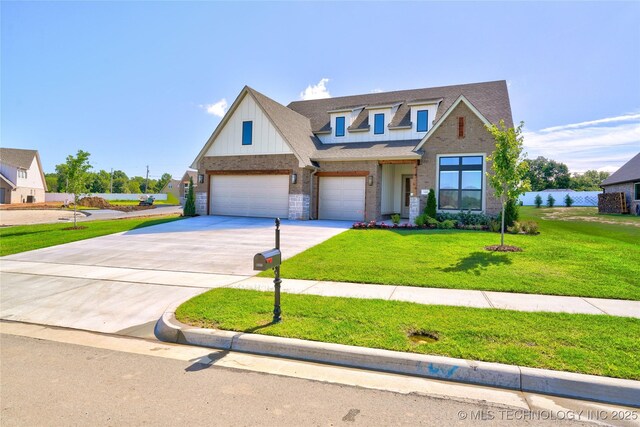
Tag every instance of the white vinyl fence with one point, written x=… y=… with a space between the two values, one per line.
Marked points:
x=62 y=197
x=580 y=198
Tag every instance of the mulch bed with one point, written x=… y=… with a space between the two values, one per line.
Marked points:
x=503 y=248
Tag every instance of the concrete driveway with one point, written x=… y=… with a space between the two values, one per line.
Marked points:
x=123 y=282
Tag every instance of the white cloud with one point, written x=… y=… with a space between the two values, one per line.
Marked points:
x=217 y=109
x=318 y=91
x=602 y=144
x=376 y=90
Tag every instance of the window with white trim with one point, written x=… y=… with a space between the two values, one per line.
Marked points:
x=636 y=191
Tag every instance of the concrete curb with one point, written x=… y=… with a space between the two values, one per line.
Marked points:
x=558 y=383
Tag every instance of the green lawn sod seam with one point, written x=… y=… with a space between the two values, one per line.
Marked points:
x=588 y=344
x=573 y=258
x=23 y=238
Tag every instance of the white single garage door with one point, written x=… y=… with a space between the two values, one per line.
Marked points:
x=250 y=195
x=341 y=198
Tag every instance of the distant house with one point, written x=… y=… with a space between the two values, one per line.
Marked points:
x=21 y=176
x=180 y=187
x=626 y=180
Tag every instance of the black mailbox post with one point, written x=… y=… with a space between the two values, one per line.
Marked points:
x=271 y=259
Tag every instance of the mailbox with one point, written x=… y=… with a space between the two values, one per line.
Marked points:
x=267 y=259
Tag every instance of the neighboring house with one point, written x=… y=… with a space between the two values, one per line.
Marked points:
x=355 y=158
x=180 y=187
x=626 y=180
x=21 y=176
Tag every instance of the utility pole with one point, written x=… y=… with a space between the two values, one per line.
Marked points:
x=146 y=183
x=111 y=182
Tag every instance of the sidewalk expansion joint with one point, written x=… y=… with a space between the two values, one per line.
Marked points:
x=487 y=298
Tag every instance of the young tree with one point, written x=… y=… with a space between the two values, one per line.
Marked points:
x=431 y=207
x=538 y=201
x=508 y=165
x=190 y=202
x=77 y=178
x=550 y=201
x=568 y=201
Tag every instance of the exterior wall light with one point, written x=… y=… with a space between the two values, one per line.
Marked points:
x=294 y=178
x=200 y=178
x=370 y=179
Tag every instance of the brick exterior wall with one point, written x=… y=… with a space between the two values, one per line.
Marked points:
x=627 y=189
x=255 y=162
x=373 y=193
x=445 y=141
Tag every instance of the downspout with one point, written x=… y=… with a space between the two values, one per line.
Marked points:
x=313 y=172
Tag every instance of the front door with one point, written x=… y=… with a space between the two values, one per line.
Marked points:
x=406 y=195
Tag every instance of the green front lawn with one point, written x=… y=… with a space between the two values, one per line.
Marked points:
x=29 y=237
x=570 y=257
x=590 y=344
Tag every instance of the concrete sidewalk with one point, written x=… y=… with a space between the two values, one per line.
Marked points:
x=456 y=297
x=192 y=283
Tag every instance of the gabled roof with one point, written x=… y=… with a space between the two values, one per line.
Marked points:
x=461 y=100
x=17 y=157
x=190 y=174
x=294 y=128
x=22 y=159
x=490 y=98
x=5 y=179
x=628 y=172
x=381 y=150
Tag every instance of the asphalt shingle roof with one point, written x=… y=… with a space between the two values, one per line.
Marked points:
x=490 y=98
x=367 y=150
x=630 y=171
x=17 y=157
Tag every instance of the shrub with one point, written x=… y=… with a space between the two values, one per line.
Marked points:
x=550 y=201
x=432 y=222
x=538 y=201
x=395 y=218
x=421 y=220
x=190 y=203
x=466 y=218
x=431 y=207
x=447 y=224
x=568 y=201
x=515 y=228
x=529 y=227
x=511 y=213
x=494 y=226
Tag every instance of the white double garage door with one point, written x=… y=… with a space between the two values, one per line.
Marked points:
x=339 y=198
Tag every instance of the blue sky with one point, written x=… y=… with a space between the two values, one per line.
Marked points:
x=137 y=83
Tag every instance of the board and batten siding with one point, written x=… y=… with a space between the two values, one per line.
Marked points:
x=266 y=138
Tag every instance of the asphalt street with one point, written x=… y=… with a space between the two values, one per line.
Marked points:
x=53 y=383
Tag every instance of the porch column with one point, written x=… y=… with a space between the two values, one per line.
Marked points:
x=414 y=207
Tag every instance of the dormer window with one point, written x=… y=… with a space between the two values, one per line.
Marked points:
x=378 y=124
x=247 y=133
x=423 y=120
x=340 y=126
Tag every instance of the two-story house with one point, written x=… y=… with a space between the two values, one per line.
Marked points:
x=356 y=158
x=180 y=187
x=21 y=176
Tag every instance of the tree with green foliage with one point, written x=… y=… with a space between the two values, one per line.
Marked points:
x=190 y=202
x=588 y=181
x=61 y=173
x=100 y=182
x=431 y=207
x=568 y=201
x=77 y=169
x=164 y=179
x=509 y=168
x=538 y=201
x=550 y=201
x=134 y=186
x=52 y=182
x=545 y=173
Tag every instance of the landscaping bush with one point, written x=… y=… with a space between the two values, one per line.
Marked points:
x=511 y=213
x=494 y=226
x=431 y=207
x=529 y=227
x=190 y=203
x=465 y=218
x=516 y=228
x=447 y=224
x=395 y=218
x=432 y=222
x=421 y=220
x=568 y=201
x=550 y=201
x=538 y=201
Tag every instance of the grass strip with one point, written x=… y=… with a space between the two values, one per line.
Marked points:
x=23 y=238
x=588 y=344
